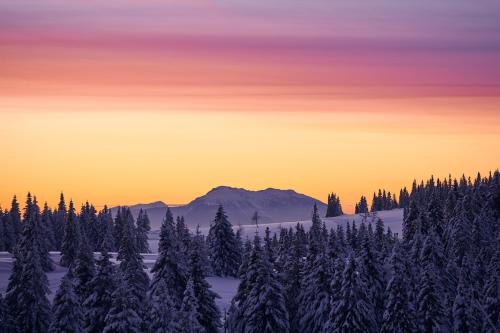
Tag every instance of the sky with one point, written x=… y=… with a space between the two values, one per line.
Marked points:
x=120 y=102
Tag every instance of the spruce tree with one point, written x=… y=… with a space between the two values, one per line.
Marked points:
x=223 y=248
x=15 y=220
x=170 y=264
x=208 y=313
x=132 y=268
x=315 y=294
x=70 y=242
x=188 y=314
x=99 y=301
x=84 y=268
x=162 y=314
x=31 y=312
x=398 y=314
x=67 y=313
x=264 y=309
x=143 y=227
x=122 y=317
x=352 y=311
x=59 y=223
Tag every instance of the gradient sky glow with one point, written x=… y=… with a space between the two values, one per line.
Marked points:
x=132 y=101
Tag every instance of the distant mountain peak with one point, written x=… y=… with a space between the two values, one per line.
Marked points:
x=273 y=205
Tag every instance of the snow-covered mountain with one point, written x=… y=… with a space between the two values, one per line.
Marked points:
x=273 y=205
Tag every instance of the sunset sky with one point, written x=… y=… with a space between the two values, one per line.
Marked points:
x=130 y=101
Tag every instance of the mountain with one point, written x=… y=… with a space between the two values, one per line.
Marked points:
x=273 y=205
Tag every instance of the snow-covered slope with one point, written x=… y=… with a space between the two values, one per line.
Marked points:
x=240 y=204
x=392 y=219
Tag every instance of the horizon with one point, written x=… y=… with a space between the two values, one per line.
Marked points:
x=128 y=101
x=52 y=203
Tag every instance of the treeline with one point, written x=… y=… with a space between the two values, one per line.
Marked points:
x=442 y=276
x=383 y=200
x=63 y=227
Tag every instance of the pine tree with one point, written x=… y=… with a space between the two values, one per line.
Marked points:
x=352 y=311
x=208 y=313
x=162 y=312
x=15 y=220
x=12 y=293
x=132 y=268
x=31 y=312
x=106 y=241
x=314 y=301
x=429 y=308
x=67 y=314
x=188 y=314
x=334 y=208
x=84 y=269
x=99 y=301
x=8 y=231
x=292 y=276
x=59 y=223
x=122 y=318
x=69 y=246
x=264 y=309
x=48 y=230
x=143 y=227
x=32 y=216
x=372 y=276
x=223 y=248
x=170 y=264
x=398 y=315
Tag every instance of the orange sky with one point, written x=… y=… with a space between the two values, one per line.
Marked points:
x=129 y=101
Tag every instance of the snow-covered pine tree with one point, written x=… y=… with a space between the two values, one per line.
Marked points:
x=430 y=312
x=315 y=294
x=162 y=312
x=351 y=311
x=132 y=268
x=398 y=314
x=15 y=220
x=70 y=241
x=292 y=277
x=67 y=315
x=223 y=249
x=59 y=223
x=31 y=312
x=99 y=301
x=264 y=310
x=106 y=240
x=83 y=268
x=122 y=318
x=316 y=239
x=32 y=216
x=170 y=265
x=465 y=313
x=8 y=231
x=143 y=227
x=188 y=314
x=491 y=297
x=47 y=224
x=11 y=304
x=373 y=277
x=183 y=236
x=208 y=313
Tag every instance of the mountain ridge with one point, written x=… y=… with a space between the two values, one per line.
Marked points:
x=273 y=205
